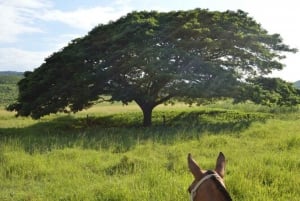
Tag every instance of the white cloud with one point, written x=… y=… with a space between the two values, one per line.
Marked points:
x=291 y=72
x=20 y=17
x=11 y=26
x=16 y=17
x=20 y=60
x=16 y=59
x=27 y=4
x=84 y=18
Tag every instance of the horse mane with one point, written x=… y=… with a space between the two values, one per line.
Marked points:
x=220 y=186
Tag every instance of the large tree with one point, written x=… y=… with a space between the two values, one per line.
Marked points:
x=150 y=58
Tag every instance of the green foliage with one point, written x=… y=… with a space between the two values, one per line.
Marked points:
x=8 y=88
x=61 y=158
x=151 y=57
x=270 y=91
x=10 y=79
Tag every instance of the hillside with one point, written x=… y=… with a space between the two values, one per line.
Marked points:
x=297 y=84
x=9 y=73
x=8 y=86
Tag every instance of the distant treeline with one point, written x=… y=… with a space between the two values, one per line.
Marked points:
x=11 y=73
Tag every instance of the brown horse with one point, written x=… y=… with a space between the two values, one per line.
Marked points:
x=208 y=185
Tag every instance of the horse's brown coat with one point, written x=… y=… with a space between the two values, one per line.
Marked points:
x=212 y=189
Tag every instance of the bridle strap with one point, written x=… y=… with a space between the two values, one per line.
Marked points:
x=193 y=191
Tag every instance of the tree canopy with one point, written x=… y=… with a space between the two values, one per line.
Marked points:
x=151 y=57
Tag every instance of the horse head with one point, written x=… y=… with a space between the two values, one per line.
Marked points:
x=208 y=185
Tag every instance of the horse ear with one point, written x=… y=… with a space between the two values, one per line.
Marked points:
x=220 y=166
x=194 y=167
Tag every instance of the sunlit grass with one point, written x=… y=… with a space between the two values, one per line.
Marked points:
x=109 y=157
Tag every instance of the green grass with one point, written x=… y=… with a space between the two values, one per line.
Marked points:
x=108 y=156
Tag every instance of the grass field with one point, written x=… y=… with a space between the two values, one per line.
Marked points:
x=103 y=154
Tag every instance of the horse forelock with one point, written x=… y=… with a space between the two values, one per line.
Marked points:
x=220 y=186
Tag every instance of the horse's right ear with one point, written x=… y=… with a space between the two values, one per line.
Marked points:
x=220 y=165
x=194 y=167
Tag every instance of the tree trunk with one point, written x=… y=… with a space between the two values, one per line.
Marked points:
x=147 y=108
x=147 y=113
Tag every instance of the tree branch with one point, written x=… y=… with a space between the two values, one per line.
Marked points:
x=164 y=99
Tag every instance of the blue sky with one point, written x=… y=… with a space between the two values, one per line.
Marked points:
x=31 y=30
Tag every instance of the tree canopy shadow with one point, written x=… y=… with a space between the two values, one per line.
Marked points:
x=216 y=121
x=120 y=133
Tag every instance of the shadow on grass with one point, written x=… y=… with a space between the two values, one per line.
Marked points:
x=121 y=132
x=216 y=121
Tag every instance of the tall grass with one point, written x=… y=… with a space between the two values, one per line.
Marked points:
x=106 y=156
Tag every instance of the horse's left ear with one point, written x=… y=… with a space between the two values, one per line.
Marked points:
x=194 y=167
x=220 y=166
